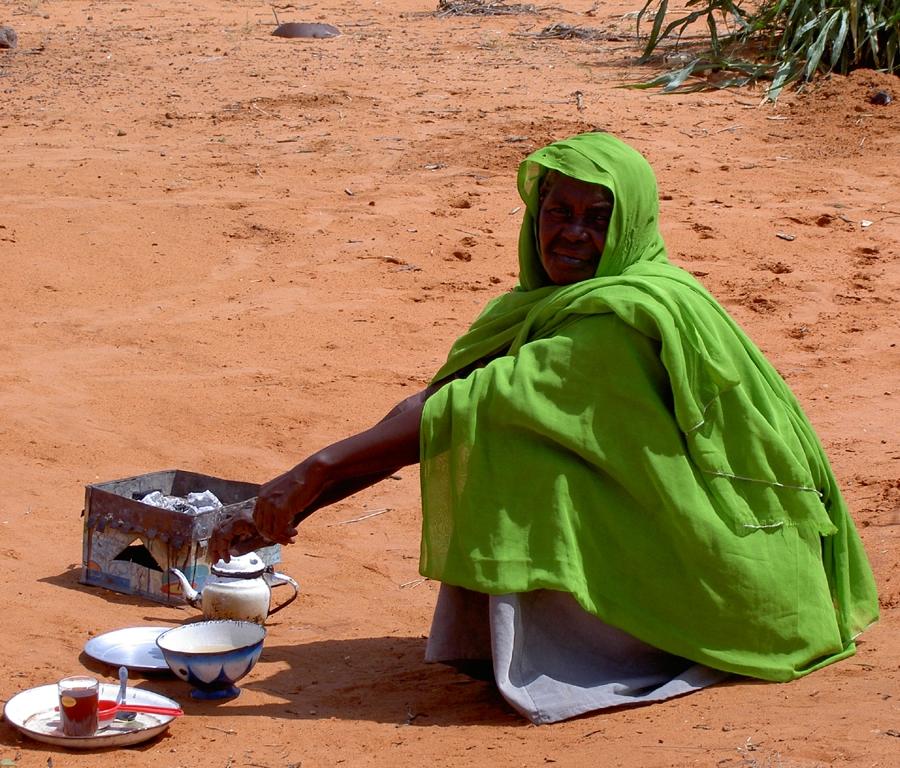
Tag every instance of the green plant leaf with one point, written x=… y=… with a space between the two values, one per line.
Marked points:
x=786 y=41
x=781 y=77
x=871 y=33
x=678 y=77
x=837 y=46
x=657 y=26
x=854 y=25
x=815 y=51
x=713 y=33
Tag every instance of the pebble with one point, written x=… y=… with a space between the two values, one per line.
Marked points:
x=302 y=29
x=8 y=37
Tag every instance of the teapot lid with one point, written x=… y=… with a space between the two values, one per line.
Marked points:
x=247 y=566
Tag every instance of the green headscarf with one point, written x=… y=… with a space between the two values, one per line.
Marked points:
x=627 y=443
x=633 y=235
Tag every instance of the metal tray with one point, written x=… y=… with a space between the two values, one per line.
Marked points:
x=34 y=713
x=132 y=647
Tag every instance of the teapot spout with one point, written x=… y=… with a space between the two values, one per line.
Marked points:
x=190 y=594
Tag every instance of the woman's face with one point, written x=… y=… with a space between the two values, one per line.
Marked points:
x=572 y=224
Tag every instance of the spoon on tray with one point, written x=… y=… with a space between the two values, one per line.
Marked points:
x=123 y=711
x=117 y=712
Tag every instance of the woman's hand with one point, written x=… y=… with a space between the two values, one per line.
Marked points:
x=235 y=534
x=282 y=502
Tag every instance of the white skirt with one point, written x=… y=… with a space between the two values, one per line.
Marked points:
x=551 y=659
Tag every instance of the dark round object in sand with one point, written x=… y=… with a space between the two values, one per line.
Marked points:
x=882 y=98
x=8 y=37
x=302 y=29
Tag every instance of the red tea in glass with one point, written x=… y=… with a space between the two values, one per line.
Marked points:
x=78 y=705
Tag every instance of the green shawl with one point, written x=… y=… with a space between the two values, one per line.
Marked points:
x=627 y=443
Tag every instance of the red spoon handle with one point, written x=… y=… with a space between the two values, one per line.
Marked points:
x=150 y=709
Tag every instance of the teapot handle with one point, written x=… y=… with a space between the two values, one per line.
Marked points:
x=276 y=579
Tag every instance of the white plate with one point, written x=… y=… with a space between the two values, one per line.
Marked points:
x=34 y=713
x=132 y=647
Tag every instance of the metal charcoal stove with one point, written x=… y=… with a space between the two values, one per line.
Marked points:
x=129 y=546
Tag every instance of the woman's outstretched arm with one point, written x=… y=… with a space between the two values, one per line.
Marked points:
x=339 y=470
x=327 y=476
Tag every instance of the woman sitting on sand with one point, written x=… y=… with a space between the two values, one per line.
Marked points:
x=621 y=498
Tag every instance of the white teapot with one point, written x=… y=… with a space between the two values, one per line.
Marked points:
x=239 y=589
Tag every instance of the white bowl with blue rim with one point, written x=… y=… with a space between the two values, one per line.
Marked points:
x=213 y=655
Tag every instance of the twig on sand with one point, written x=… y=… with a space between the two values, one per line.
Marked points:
x=269 y=114
x=364 y=517
x=376 y=570
x=412 y=583
x=223 y=730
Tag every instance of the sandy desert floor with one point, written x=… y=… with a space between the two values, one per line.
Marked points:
x=222 y=250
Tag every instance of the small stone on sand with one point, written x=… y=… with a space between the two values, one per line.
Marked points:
x=303 y=29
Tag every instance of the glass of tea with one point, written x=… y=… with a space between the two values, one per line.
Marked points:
x=78 y=696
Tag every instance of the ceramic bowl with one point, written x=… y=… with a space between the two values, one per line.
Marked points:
x=212 y=655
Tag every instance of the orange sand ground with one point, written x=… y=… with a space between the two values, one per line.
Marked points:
x=222 y=250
